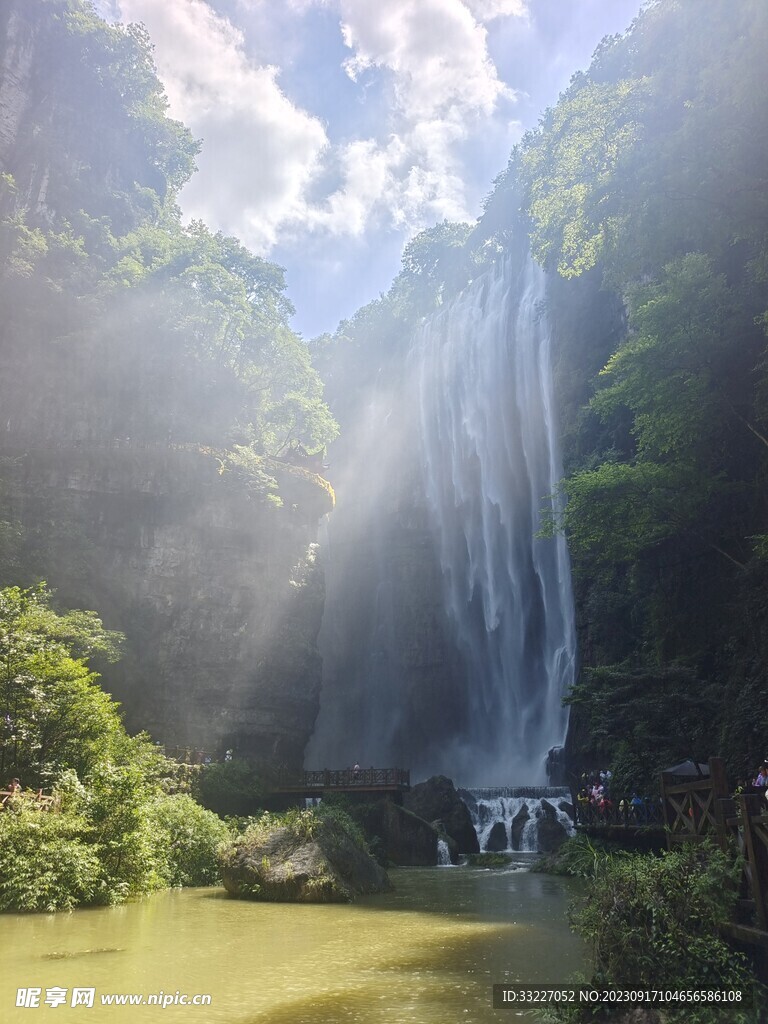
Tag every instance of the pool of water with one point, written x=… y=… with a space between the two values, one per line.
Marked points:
x=427 y=952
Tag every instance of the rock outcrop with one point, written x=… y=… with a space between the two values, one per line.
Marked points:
x=405 y=838
x=551 y=833
x=436 y=800
x=323 y=863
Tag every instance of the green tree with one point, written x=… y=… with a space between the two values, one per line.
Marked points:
x=53 y=714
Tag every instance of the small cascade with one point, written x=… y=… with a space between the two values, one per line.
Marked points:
x=520 y=819
x=443 y=854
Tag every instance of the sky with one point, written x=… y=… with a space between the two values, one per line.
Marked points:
x=333 y=131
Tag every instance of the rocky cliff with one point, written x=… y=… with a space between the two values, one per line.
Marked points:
x=219 y=594
x=136 y=354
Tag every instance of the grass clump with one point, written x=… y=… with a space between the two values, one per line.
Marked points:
x=489 y=860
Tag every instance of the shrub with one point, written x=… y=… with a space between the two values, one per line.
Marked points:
x=579 y=856
x=489 y=860
x=231 y=788
x=653 y=922
x=186 y=837
x=45 y=862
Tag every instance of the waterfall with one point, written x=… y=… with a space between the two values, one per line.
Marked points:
x=491 y=463
x=448 y=633
x=443 y=854
x=521 y=820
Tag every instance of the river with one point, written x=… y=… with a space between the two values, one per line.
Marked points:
x=427 y=952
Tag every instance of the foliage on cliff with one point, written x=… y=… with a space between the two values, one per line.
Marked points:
x=651 y=170
x=647 y=175
x=124 y=323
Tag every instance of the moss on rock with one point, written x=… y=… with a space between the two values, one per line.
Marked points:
x=306 y=856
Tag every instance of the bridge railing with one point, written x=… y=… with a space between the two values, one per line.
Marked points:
x=648 y=814
x=347 y=778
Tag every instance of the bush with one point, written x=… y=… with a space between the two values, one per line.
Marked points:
x=489 y=860
x=45 y=861
x=186 y=837
x=115 y=809
x=653 y=923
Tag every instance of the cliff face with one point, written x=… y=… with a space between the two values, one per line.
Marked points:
x=128 y=345
x=219 y=594
x=16 y=53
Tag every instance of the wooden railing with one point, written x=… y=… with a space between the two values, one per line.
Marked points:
x=42 y=801
x=648 y=814
x=752 y=823
x=692 y=810
x=701 y=810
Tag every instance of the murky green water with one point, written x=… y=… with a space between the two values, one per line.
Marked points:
x=427 y=952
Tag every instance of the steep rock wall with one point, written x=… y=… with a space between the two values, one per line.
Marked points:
x=219 y=594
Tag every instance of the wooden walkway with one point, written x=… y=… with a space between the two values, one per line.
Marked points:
x=344 y=780
x=648 y=815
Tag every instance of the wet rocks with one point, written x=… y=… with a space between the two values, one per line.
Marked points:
x=436 y=800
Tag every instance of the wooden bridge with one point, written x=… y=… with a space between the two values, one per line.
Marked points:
x=344 y=780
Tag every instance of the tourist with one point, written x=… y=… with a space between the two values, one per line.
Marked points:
x=638 y=808
x=14 y=787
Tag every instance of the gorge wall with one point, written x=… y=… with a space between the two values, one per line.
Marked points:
x=149 y=382
x=220 y=596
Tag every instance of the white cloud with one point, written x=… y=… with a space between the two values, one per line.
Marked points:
x=445 y=87
x=487 y=10
x=435 y=49
x=263 y=156
x=259 y=149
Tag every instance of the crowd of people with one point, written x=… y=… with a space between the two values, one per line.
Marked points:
x=595 y=801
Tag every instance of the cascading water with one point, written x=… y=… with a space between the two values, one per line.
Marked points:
x=524 y=820
x=448 y=634
x=491 y=462
x=443 y=854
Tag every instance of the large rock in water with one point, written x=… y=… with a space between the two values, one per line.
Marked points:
x=437 y=800
x=497 y=838
x=518 y=826
x=324 y=863
x=551 y=833
x=406 y=839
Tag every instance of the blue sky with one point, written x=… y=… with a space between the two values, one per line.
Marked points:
x=334 y=130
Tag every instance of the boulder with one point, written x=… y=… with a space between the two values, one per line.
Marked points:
x=551 y=833
x=497 y=838
x=404 y=838
x=518 y=824
x=437 y=800
x=317 y=861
